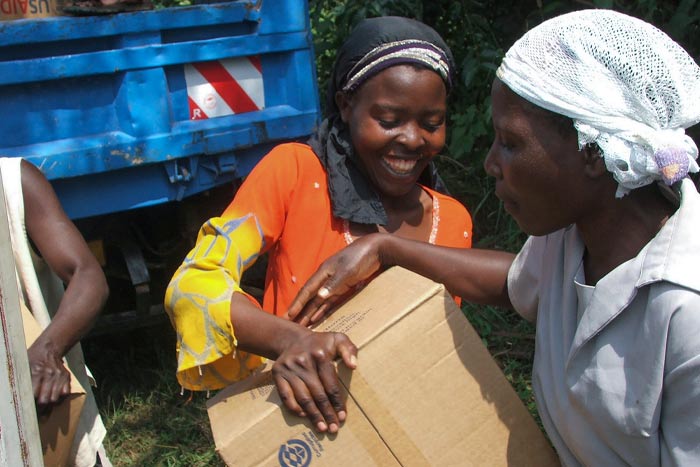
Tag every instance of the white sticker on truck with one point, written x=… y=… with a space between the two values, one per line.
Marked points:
x=224 y=87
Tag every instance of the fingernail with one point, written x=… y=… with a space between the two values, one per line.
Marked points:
x=321 y=426
x=342 y=415
x=353 y=360
x=333 y=428
x=323 y=292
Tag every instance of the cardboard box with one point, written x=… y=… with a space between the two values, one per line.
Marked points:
x=426 y=392
x=56 y=428
x=19 y=9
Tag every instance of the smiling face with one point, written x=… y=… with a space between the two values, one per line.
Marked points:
x=541 y=176
x=397 y=125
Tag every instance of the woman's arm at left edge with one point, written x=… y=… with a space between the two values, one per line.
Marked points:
x=62 y=246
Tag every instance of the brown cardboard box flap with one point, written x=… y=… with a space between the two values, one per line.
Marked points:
x=426 y=392
x=57 y=428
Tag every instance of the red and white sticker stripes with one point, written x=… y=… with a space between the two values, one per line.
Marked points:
x=224 y=87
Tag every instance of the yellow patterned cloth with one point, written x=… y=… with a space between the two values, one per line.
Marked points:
x=199 y=298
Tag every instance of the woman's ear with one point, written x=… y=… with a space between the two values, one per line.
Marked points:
x=593 y=160
x=343 y=102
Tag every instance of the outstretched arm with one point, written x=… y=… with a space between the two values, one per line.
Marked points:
x=62 y=246
x=478 y=276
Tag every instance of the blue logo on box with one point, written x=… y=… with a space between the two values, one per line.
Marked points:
x=296 y=453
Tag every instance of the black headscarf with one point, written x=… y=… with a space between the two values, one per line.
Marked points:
x=352 y=194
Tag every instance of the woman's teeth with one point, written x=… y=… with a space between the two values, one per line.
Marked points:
x=400 y=166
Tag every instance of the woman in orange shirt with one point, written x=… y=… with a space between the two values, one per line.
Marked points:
x=303 y=202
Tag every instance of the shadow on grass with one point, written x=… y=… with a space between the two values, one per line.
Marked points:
x=148 y=422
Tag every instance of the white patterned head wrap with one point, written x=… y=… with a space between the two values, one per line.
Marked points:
x=628 y=87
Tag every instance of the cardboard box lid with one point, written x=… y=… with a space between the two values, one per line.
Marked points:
x=426 y=392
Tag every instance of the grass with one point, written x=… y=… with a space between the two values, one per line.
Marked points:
x=148 y=421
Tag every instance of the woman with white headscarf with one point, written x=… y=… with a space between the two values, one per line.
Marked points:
x=591 y=159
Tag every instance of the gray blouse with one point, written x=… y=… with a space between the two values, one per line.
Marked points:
x=617 y=379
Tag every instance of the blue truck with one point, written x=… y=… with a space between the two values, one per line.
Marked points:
x=145 y=122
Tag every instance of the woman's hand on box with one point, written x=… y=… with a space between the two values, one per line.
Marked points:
x=335 y=279
x=50 y=379
x=304 y=368
x=307 y=381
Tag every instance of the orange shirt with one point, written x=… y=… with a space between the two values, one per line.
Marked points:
x=288 y=192
x=283 y=208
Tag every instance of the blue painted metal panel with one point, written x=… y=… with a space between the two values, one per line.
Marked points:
x=100 y=103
